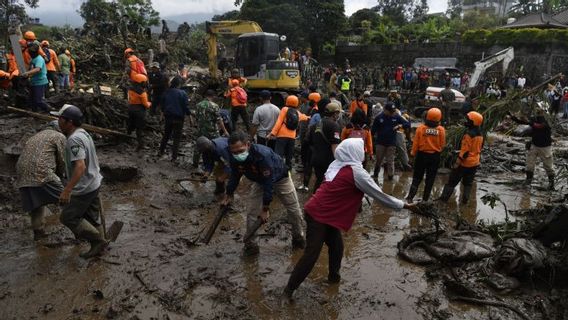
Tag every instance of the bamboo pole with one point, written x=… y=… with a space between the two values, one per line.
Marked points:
x=87 y=127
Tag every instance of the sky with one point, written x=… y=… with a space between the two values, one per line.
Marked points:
x=57 y=12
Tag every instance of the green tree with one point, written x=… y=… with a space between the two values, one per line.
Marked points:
x=12 y=10
x=139 y=11
x=229 y=15
x=401 y=11
x=357 y=18
x=454 y=8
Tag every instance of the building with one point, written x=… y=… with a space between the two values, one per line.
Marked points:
x=496 y=7
x=541 y=21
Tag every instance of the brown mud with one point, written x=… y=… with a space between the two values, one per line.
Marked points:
x=158 y=269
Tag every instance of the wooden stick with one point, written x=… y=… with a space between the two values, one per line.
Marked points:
x=87 y=127
x=493 y=304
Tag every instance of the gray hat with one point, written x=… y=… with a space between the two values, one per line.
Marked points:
x=70 y=112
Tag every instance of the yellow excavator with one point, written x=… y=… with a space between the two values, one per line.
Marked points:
x=256 y=56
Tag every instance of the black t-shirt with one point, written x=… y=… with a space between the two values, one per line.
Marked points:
x=321 y=137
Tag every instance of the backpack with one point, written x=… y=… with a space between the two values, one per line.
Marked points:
x=357 y=133
x=47 y=55
x=226 y=117
x=292 y=119
x=139 y=67
x=242 y=96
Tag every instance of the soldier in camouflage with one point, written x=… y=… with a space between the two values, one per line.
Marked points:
x=209 y=122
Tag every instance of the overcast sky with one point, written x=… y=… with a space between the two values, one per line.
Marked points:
x=62 y=11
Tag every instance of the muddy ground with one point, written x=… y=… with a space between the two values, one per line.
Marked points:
x=159 y=270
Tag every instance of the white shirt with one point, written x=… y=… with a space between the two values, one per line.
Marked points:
x=265 y=117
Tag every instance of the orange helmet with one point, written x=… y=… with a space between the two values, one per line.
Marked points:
x=235 y=82
x=29 y=35
x=44 y=43
x=434 y=114
x=475 y=117
x=315 y=97
x=139 y=78
x=292 y=101
x=127 y=51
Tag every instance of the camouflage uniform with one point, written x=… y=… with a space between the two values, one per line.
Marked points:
x=207 y=115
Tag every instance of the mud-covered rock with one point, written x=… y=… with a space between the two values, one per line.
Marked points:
x=114 y=172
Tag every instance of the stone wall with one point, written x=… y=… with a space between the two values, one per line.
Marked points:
x=537 y=60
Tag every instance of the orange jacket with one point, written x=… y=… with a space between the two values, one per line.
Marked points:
x=28 y=57
x=132 y=67
x=368 y=138
x=428 y=140
x=234 y=101
x=139 y=98
x=358 y=104
x=12 y=65
x=470 y=152
x=53 y=64
x=280 y=130
x=242 y=81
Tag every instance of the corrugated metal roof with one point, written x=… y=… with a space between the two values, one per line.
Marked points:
x=536 y=20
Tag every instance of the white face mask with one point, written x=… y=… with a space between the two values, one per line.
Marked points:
x=241 y=157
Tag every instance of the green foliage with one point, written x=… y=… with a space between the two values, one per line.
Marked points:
x=402 y=11
x=227 y=16
x=511 y=37
x=101 y=12
x=356 y=20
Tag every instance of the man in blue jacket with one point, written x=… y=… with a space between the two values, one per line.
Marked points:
x=175 y=106
x=269 y=175
x=216 y=158
x=384 y=129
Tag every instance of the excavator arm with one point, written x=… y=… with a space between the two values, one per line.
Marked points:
x=481 y=66
x=214 y=28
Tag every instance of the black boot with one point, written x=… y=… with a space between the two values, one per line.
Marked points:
x=427 y=192
x=446 y=193
x=376 y=172
x=466 y=194
x=529 y=178
x=219 y=187
x=411 y=193
x=551 y=182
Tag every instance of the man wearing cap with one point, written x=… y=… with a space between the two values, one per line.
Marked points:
x=40 y=169
x=80 y=197
x=52 y=66
x=158 y=84
x=263 y=120
x=38 y=79
x=175 y=106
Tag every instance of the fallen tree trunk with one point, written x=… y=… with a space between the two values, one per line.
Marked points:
x=87 y=127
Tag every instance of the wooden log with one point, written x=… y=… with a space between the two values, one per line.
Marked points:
x=87 y=127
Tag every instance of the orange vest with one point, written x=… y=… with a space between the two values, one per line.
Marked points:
x=280 y=130
x=358 y=104
x=136 y=67
x=428 y=140
x=471 y=145
x=12 y=65
x=139 y=98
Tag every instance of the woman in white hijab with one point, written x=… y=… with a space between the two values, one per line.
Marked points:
x=333 y=209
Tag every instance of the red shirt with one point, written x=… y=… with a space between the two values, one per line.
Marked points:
x=336 y=203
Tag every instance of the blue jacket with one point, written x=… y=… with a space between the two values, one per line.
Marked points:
x=219 y=154
x=262 y=166
x=175 y=103
x=383 y=128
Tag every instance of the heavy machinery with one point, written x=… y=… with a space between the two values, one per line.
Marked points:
x=256 y=56
x=482 y=65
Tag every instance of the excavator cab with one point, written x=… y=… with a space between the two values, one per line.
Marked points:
x=257 y=56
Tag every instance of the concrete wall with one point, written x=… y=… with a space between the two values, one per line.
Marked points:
x=537 y=60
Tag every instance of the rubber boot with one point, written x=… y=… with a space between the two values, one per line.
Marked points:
x=551 y=182
x=87 y=231
x=529 y=178
x=37 y=221
x=446 y=193
x=101 y=230
x=219 y=187
x=466 y=194
x=140 y=139
x=411 y=193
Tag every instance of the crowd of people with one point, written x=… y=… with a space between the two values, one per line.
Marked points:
x=344 y=144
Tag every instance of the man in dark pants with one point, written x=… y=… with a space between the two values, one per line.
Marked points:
x=263 y=120
x=80 y=197
x=175 y=107
x=447 y=97
x=38 y=79
x=158 y=84
x=323 y=138
x=138 y=103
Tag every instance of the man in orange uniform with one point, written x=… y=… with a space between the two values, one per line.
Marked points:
x=30 y=38
x=285 y=129
x=52 y=65
x=358 y=103
x=429 y=140
x=138 y=103
x=238 y=104
x=134 y=65
x=468 y=159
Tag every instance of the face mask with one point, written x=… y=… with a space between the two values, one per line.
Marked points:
x=241 y=157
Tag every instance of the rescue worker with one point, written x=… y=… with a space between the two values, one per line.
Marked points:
x=333 y=208
x=263 y=120
x=38 y=79
x=236 y=75
x=447 y=97
x=175 y=106
x=28 y=41
x=238 y=104
x=384 y=130
x=468 y=159
x=269 y=175
x=80 y=197
x=358 y=128
x=323 y=138
x=40 y=170
x=216 y=159
x=284 y=130
x=209 y=121
x=540 y=147
x=65 y=68
x=158 y=84
x=358 y=103
x=133 y=66
x=345 y=83
x=138 y=103
x=429 y=141
x=52 y=65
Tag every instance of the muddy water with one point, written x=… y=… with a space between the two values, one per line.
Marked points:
x=156 y=270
